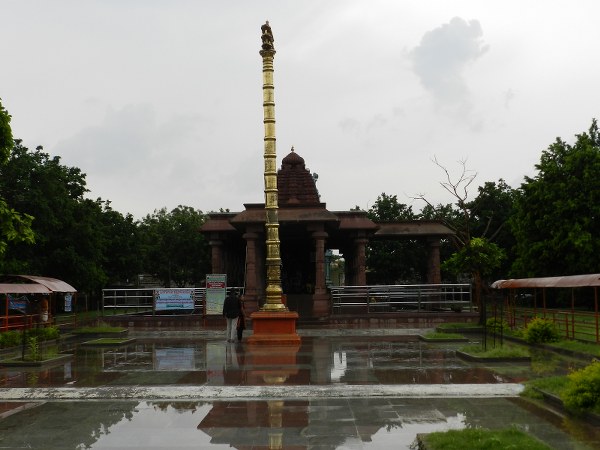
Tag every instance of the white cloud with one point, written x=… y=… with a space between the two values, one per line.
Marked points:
x=441 y=58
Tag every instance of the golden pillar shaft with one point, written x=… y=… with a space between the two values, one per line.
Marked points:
x=273 y=260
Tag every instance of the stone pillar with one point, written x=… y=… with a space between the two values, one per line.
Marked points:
x=360 y=264
x=216 y=262
x=250 y=297
x=434 y=275
x=321 y=297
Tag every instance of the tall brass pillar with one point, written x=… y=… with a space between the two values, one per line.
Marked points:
x=274 y=324
x=273 y=261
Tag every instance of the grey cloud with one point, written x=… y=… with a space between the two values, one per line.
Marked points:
x=130 y=137
x=440 y=58
x=349 y=125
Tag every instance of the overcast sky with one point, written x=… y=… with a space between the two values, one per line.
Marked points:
x=160 y=102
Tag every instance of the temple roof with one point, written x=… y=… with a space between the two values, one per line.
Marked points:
x=295 y=183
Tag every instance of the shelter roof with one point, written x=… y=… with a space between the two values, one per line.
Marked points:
x=218 y=222
x=355 y=220
x=33 y=284
x=588 y=280
x=412 y=228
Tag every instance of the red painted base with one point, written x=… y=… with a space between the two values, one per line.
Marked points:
x=274 y=328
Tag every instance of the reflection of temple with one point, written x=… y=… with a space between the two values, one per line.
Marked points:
x=307 y=229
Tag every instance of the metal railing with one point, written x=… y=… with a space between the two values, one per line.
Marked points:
x=142 y=299
x=398 y=298
x=570 y=324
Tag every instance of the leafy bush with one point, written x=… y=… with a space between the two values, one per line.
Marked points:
x=33 y=345
x=541 y=330
x=45 y=333
x=496 y=325
x=14 y=338
x=583 y=393
x=10 y=339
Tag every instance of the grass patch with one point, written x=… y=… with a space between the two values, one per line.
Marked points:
x=578 y=346
x=108 y=341
x=100 y=328
x=456 y=325
x=506 y=351
x=480 y=439
x=443 y=336
x=552 y=385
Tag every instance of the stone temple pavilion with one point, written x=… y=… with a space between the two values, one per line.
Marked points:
x=307 y=230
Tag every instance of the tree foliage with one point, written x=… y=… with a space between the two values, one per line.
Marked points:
x=174 y=250
x=393 y=261
x=557 y=212
x=14 y=226
x=490 y=214
x=79 y=240
x=479 y=256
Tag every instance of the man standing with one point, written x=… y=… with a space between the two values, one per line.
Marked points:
x=231 y=311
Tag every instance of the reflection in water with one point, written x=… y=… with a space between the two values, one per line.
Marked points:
x=326 y=360
x=272 y=423
x=287 y=424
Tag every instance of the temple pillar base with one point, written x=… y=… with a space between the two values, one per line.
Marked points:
x=321 y=305
x=250 y=304
x=274 y=328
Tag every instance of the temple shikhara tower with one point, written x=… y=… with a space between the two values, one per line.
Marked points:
x=277 y=250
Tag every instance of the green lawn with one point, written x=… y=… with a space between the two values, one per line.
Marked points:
x=480 y=439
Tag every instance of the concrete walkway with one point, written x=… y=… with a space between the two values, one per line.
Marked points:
x=197 y=393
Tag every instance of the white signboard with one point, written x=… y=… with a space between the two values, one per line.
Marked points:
x=68 y=303
x=216 y=289
x=171 y=299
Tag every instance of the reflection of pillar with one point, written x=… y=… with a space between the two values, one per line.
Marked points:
x=320 y=297
x=250 y=289
x=433 y=264
x=321 y=351
x=216 y=246
x=360 y=264
x=275 y=423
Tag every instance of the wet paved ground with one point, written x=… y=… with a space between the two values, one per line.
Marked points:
x=339 y=390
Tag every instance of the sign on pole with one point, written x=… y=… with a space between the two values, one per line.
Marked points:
x=216 y=290
x=68 y=302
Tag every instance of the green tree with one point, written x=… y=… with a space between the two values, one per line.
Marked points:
x=175 y=250
x=490 y=214
x=557 y=212
x=122 y=259
x=69 y=245
x=476 y=256
x=392 y=261
x=14 y=226
x=479 y=257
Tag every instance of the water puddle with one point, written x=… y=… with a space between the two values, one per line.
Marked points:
x=319 y=360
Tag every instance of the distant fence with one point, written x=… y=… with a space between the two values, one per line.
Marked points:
x=571 y=324
x=398 y=298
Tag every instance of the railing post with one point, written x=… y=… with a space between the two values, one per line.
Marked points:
x=596 y=313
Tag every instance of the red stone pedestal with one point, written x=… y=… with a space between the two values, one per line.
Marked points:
x=274 y=328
